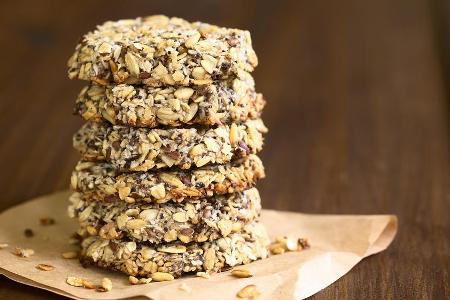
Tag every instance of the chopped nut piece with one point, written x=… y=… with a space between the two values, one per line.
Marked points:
x=184 y=93
x=173 y=249
x=106 y=284
x=250 y=291
x=184 y=287
x=45 y=267
x=133 y=280
x=278 y=250
x=162 y=276
x=283 y=244
x=88 y=285
x=302 y=244
x=203 y=275
x=225 y=226
x=210 y=258
x=145 y=280
x=131 y=63
x=23 y=252
x=158 y=191
x=91 y=230
x=180 y=217
x=241 y=273
x=287 y=243
x=3 y=246
x=28 y=232
x=69 y=254
x=74 y=281
x=47 y=221
x=124 y=192
x=136 y=224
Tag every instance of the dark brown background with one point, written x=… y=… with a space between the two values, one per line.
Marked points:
x=358 y=113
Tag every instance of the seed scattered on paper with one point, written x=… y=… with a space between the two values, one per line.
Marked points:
x=241 y=273
x=45 y=267
x=249 y=292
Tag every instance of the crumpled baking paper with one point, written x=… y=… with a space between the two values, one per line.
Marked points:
x=338 y=243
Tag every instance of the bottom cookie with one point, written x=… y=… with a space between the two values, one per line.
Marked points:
x=141 y=259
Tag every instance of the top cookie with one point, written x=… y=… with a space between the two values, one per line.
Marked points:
x=158 y=50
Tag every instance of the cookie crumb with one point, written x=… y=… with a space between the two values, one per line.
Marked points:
x=23 y=252
x=3 y=246
x=203 y=275
x=283 y=244
x=45 y=221
x=106 y=285
x=74 y=281
x=28 y=233
x=133 y=280
x=302 y=244
x=184 y=287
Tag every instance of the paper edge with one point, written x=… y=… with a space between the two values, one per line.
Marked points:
x=28 y=282
x=381 y=243
x=385 y=238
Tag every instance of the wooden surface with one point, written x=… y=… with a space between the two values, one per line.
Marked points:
x=358 y=110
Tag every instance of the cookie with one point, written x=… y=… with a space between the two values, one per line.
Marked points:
x=158 y=50
x=200 y=220
x=143 y=149
x=102 y=182
x=222 y=102
x=143 y=260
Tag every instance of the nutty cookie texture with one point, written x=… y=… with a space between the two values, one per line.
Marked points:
x=100 y=181
x=221 y=102
x=143 y=260
x=158 y=50
x=143 y=149
x=197 y=221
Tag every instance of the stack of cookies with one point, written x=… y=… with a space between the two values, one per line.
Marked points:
x=165 y=184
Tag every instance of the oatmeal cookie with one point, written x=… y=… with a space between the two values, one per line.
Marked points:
x=143 y=260
x=197 y=221
x=221 y=102
x=158 y=50
x=100 y=181
x=143 y=149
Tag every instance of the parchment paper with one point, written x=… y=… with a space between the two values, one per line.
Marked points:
x=338 y=242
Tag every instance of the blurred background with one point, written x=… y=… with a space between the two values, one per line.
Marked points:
x=358 y=112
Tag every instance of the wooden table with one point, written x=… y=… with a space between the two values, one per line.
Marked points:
x=358 y=110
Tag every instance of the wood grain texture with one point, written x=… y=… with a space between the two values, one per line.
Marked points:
x=358 y=113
